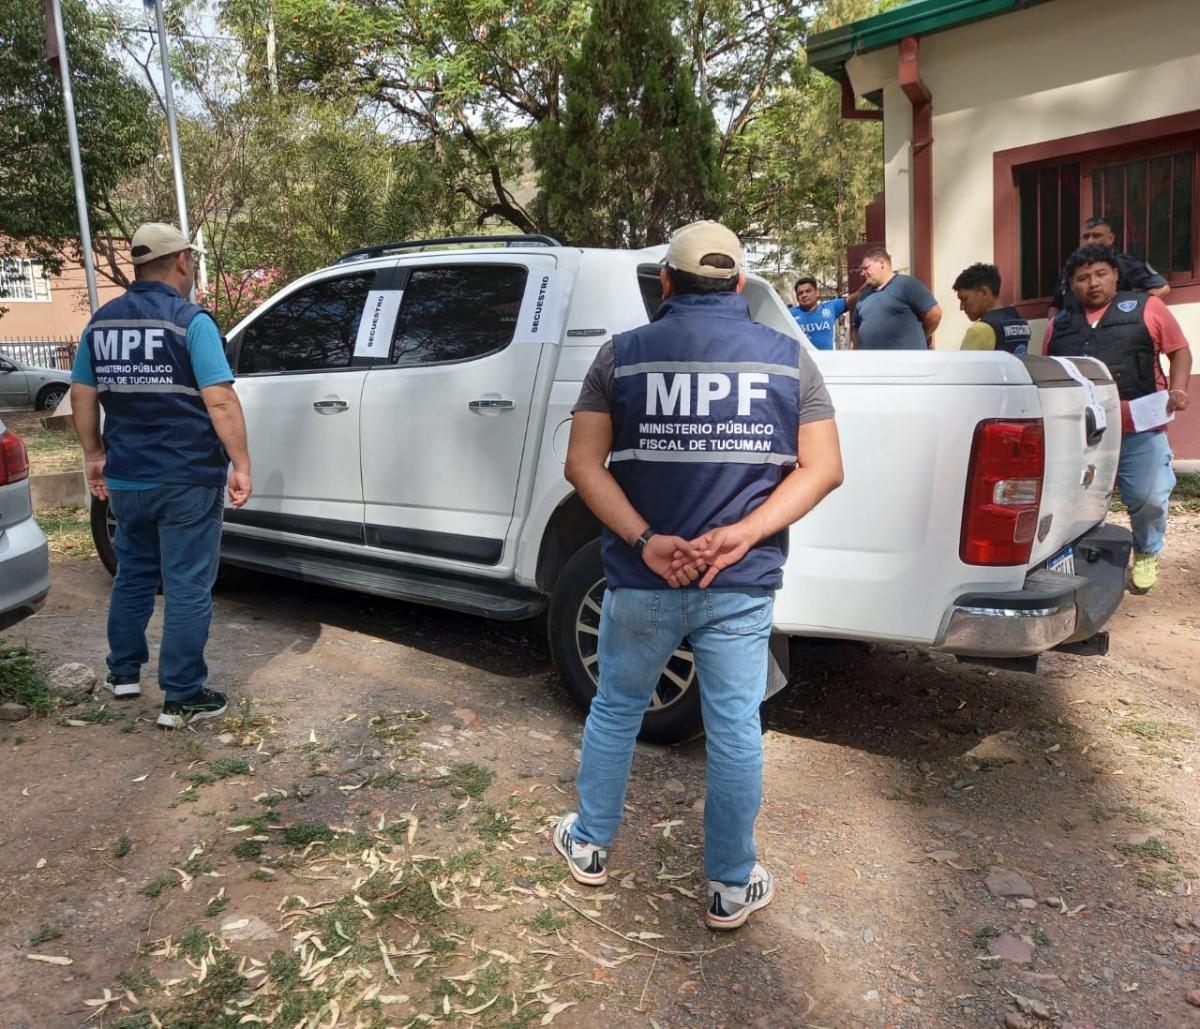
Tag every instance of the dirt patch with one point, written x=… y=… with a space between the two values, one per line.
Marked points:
x=363 y=841
x=50 y=450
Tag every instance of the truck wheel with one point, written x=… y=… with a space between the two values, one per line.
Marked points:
x=574 y=630
x=104 y=529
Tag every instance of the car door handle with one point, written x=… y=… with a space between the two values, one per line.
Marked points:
x=491 y=405
x=330 y=406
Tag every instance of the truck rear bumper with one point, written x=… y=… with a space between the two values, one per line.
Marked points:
x=1052 y=608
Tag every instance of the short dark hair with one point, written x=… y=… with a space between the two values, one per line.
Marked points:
x=1093 y=253
x=1095 y=223
x=805 y=280
x=878 y=252
x=685 y=282
x=978 y=276
x=156 y=268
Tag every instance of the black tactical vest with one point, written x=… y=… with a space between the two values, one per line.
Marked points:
x=1120 y=339
x=1012 y=331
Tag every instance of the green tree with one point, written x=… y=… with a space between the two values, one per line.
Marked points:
x=280 y=183
x=634 y=153
x=469 y=79
x=116 y=130
x=804 y=174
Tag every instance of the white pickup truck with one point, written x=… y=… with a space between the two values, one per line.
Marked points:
x=408 y=411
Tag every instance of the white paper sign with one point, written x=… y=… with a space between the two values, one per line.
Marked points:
x=1150 y=411
x=544 y=307
x=1098 y=416
x=375 y=328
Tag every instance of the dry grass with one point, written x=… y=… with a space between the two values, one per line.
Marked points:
x=50 y=450
x=69 y=531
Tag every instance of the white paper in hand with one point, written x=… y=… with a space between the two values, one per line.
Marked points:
x=1150 y=411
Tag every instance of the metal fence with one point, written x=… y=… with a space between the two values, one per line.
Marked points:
x=42 y=353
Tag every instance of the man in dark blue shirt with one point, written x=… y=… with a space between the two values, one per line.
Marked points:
x=698 y=439
x=894 y=311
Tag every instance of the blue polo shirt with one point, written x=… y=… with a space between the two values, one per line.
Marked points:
x=818 y=323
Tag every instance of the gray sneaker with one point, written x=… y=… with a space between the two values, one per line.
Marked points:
x=730 y=906
x=588 y=863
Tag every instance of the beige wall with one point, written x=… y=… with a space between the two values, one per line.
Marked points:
x=1054 y=70
x=63 y=316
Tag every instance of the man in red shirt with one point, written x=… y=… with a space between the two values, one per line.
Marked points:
x=1128 y=331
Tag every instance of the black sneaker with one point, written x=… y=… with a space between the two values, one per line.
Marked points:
x=176 y=714
x=123 y=686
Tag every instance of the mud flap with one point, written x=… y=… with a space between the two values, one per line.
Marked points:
x=778 y=665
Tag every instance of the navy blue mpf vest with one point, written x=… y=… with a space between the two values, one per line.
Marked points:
x=1012 y=331
x=705 y=415
x=156 y=427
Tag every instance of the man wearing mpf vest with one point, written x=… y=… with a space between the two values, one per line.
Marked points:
x=698 y=439
x=172 y=427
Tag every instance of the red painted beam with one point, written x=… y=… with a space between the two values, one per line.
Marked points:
x=922 y=158
x=850 y=109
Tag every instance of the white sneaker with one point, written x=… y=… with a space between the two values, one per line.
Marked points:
x=730 y=906
x=588 y=863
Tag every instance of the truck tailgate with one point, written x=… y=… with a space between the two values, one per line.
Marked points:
x=879 y=558
x=1080 y=472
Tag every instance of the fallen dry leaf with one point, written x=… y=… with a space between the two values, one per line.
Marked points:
x=555 y=1010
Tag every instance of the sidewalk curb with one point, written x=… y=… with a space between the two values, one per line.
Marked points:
x=58 y=489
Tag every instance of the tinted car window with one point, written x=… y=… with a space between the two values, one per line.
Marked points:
x=311 y=329
x=651 y=286
x=457 y=313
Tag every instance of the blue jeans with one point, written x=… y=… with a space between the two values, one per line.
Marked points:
x=170 y=534
x=729 y=630
x=1145 y=479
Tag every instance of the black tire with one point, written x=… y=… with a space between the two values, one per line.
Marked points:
x=573 y=629
x=104 y=527
x=50 y=396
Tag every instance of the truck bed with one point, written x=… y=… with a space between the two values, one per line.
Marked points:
x=879 y=558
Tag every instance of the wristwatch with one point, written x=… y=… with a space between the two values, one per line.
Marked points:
x=639 y=544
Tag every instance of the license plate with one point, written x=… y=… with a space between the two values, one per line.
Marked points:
x=1063 y=561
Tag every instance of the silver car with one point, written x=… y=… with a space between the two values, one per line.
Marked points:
x=24 y=553
x=26 y=385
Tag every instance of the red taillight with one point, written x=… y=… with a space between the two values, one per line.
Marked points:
x=1004 y=492
x=14 y=464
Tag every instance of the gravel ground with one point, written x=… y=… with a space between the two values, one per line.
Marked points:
x=364 y=840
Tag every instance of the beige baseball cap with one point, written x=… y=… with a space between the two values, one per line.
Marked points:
x=690 y=244
x=157 y=239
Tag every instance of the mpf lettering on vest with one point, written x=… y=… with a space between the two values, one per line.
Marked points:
x=106 y=347
x=709 y=386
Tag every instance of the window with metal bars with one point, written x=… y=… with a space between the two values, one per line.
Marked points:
x=1150 y=194
x=22 y=279
x=1149 y=200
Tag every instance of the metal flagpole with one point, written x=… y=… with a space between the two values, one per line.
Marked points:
x=172 y=128
x=85 y=231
